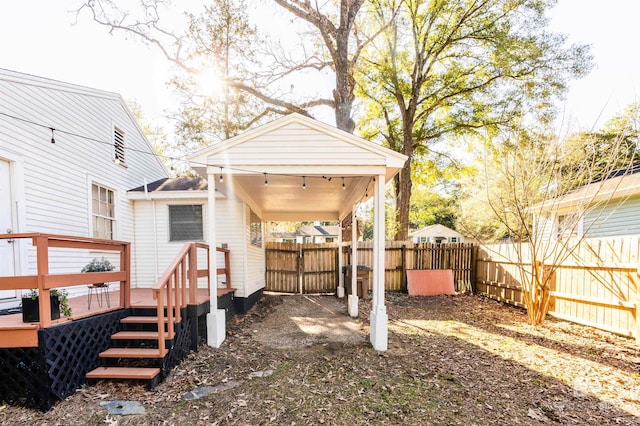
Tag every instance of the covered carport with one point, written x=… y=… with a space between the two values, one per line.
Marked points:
x=299 y=169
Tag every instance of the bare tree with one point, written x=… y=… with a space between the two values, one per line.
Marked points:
x=532 y=195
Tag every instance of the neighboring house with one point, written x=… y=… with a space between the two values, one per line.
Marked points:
x=308 y=234
x=68 y=155
x=437 y=234
x=607 y=208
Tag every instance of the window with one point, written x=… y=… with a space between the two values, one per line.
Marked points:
x=185 y=223
x=568 y=226
x=255 y=228
x=423 y=239
x=329 y=240
x=102 y=211
x=118 y=143
x=453 y=240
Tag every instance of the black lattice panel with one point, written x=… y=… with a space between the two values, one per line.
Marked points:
x=181 y=344
x=72 y=349
x=24 y=378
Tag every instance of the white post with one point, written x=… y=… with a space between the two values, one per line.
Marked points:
x=353 y=297
x=216 y=317
x=378 y=317
x=340 y=290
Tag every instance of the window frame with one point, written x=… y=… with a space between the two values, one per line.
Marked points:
x=190 y=238
x=113 y=219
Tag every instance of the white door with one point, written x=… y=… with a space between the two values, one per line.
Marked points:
x=7 y=254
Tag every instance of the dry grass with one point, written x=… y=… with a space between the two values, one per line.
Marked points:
x=459 y=360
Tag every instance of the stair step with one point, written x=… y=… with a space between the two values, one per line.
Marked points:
x=137 y=373
x=141 y=320
x=138 y=335
x=133 y=353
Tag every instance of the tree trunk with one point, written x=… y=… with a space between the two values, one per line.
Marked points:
x=403 y=198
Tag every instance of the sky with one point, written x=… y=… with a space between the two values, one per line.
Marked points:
x=44 y=38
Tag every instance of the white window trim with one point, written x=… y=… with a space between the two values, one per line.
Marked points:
x=204 y=223
x=116 y=202
x=19 y=198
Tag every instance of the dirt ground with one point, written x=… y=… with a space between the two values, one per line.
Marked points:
x=452 y=360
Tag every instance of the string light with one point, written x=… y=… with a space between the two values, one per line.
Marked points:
x=221 y=177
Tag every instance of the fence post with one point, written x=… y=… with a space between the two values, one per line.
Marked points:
x=637 y=309
x=403 y=254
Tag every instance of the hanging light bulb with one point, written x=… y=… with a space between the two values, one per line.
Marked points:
x=266 y=182
x=221 y=178
x=53 y=139
x=304 y=182
x=343 y=185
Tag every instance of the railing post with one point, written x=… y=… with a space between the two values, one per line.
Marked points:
x=42 y=259
x=227 y=268
x=125 y=286
x=193 y=274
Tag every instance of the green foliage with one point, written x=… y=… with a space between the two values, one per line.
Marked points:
x=61 y=294
x=442 y=69
x=102 y=265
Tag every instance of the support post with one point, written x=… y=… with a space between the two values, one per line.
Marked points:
x=216 y=317
x=340 y=289
x=353 y=297
x=378 y=317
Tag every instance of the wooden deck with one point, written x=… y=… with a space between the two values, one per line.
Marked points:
x=16 y=334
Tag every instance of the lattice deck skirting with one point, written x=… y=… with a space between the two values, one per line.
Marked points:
x=38 y=377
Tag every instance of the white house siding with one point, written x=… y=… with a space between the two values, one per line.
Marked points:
x=255 y=264
x=232 y=219
x=299 y=145
x=247 y=264
x=57 y=177
x=153 y=252
x=615 y=219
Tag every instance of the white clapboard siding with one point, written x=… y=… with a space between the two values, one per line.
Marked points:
x=298 y=144
x=255 y=261
x=152 y=241
x=56 y=178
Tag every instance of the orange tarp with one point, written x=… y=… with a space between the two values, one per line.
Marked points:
x=429 y=282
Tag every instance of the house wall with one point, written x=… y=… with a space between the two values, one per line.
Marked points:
x=437 y=231
x=615 y=219
x=55 y=179
x=232 y=227
x=255 y=260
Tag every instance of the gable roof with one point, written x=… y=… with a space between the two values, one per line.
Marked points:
x=296 y=168
x=174 y=184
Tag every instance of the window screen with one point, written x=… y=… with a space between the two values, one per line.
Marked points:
x=185 y=223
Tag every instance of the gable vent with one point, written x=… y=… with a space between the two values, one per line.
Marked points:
x=118 y=143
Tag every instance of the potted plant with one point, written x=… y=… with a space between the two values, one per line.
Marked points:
x=102 y=265
x=59 y=304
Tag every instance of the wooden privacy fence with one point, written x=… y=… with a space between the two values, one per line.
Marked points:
x=596 y=286
x=301 y=268
x=313 y=268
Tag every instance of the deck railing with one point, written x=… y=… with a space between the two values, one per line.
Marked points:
x=44 y=281
x=178 y=286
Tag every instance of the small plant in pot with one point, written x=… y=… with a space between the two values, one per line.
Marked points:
x=59 y=300
x=98 y=265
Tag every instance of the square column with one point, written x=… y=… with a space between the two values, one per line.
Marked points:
x=353 y=297
x=340 y=289
x=379 y=319
x=216 y=319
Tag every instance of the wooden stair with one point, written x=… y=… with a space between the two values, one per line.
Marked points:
x=134 y=352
